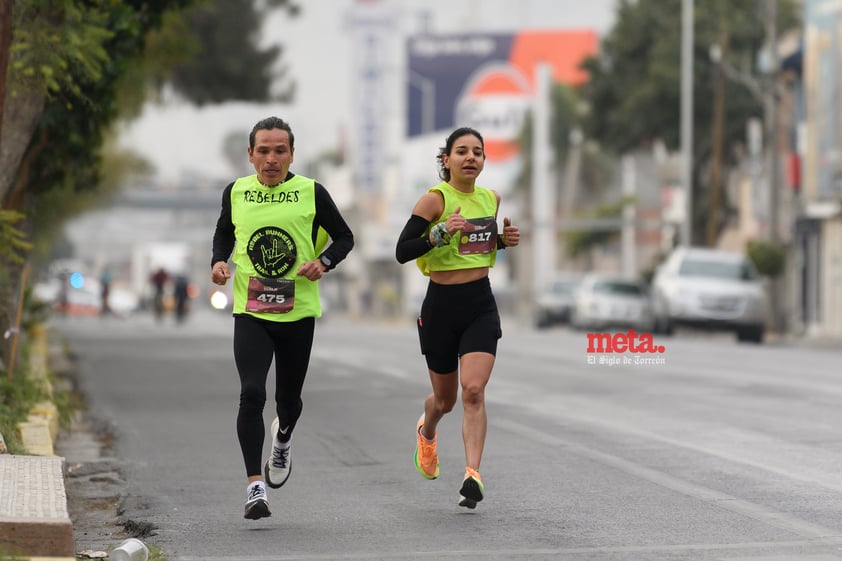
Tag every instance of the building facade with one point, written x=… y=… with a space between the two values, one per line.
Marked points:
x=818 y=227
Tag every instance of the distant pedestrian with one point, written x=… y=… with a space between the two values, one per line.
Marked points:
x=105 y=291
x=453 y=236
x=274 y=222
x=181 y=295
x=159 y=282
x=63 y=298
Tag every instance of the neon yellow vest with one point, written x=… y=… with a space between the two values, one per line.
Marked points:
x=273 y=227
x=466 y=250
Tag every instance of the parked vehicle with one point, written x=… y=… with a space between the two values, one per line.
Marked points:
x=712 y=289
x=555 y=303
x=605 y=301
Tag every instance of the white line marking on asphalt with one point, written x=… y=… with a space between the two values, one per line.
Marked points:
x=787 y=465
x=758 y=512
x=784 y=558
x=531 y=553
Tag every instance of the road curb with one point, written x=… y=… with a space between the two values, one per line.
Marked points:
x=34 y=519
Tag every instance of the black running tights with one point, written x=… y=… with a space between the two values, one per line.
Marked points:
x=256 y=342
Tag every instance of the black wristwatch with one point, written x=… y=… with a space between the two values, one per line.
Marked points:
x=326 y=261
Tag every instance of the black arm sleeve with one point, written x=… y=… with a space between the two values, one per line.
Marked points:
x=329 y=218
x=412 y=242
x=223 y=236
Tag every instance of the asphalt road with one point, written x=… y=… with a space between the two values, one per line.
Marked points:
x=723 y=452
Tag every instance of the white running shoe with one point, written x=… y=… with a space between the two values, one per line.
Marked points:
x=278 y=466
x=257 y=505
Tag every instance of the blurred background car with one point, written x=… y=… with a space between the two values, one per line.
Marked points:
x=710 y=289
x=555 y=303
x=604 y=301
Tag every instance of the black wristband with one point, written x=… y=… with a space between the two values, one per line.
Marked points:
x=500 y=244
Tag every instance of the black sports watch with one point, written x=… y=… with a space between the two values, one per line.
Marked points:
x=326 y=261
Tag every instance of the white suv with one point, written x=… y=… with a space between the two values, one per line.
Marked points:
x=711 y=289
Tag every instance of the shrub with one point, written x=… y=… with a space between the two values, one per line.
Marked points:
x=768 y=257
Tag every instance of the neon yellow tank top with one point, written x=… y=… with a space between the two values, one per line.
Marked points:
x=273 y=227
x=476 y=245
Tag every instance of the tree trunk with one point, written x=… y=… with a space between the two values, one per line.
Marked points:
x=21 y=106
x=5 y=44
x=19 y=121
x=718 y=140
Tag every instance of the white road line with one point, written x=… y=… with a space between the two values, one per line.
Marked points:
x=735 y=449
x=723 y=500
x=548 y=552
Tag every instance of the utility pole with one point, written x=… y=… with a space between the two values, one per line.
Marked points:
x=772 y=118
x=628 y=232
x=777 y=295
x=687 y=13
x=718 y=128
x=543 y=204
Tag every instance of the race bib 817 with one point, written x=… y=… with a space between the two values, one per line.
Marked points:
x=478 y=236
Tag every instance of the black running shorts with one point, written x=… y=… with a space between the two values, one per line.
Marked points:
x=455 y=320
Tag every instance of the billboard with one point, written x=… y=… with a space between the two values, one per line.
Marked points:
x=486 y=80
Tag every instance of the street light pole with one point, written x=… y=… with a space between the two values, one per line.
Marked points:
x=772 y=147
x=543 y=205
x=687 y=118
x=772 y=109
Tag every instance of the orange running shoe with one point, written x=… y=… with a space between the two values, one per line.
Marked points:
x=472 y=489
x=426 y=458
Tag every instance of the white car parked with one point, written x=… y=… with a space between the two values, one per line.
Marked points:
x=605 y=301
x=555 y=304
x=712 y=289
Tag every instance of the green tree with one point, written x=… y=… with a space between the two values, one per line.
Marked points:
x=66 y=60
x=64 y=63
x=634 y=88
x=228 y=64
x=73 y=67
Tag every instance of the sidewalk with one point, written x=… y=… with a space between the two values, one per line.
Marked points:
x=34 y=519
x=806 y=341
x=33 y=506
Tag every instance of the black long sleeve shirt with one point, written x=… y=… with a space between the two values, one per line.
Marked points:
x=327 y=216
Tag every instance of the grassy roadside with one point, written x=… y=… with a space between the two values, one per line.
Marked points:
x=19 y=393
x=17 y=396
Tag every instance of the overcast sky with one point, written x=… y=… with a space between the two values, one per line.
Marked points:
x=317 y=53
